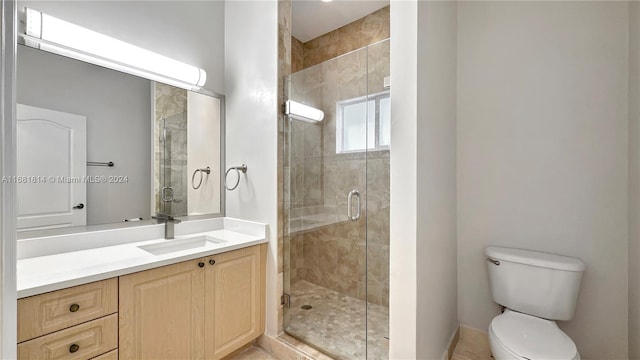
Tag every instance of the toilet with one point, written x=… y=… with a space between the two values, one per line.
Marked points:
x=536 y=289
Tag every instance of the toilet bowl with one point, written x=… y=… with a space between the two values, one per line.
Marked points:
x=516 y=336
x=535 y=288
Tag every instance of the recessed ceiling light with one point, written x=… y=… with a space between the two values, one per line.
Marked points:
x=327 y=0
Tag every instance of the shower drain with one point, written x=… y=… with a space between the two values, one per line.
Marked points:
x=306 y=307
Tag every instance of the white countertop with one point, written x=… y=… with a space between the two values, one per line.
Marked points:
x=37 y=275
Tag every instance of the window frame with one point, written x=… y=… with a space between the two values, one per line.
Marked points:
x=340 y=105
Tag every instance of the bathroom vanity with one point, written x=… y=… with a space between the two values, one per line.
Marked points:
x=198 y=296
x=97 y=164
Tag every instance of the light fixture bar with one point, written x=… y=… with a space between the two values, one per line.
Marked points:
x=303 y=112
x=51 y=34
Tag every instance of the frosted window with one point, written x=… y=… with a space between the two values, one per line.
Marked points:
x=371 y=125
x=354 y=127
x=364 y=116
x=385 y=121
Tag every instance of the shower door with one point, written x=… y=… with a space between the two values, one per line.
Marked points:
x=171 y=199
x=336 y=206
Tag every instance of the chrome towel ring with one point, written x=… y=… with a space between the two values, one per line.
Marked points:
x=238 y=169
x=206 y=170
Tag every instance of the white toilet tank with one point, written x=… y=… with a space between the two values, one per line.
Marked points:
x=534 y=283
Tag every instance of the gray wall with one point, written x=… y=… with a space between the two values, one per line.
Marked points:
x=118 y=111
x=542 y=153
x=634 y=180
x=436 y=168
x=422 y=312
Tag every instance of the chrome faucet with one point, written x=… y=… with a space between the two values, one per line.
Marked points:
x=168 y=221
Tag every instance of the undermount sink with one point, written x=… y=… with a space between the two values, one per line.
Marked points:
x=170 y=246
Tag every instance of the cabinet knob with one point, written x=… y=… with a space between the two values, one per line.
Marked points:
x=74 y=307
x=211 y=262
x=201 y=264
x=73 y=348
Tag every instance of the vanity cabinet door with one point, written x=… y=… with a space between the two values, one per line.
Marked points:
x=234 y=299
x=161 y=313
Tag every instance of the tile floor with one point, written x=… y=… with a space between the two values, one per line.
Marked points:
x=254 y=353
x=336 y=323
x=472 y=345
x=468 y=348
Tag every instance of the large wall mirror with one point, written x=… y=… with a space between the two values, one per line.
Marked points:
x=100 y=148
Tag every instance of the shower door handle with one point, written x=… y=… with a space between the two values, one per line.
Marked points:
x=353 y=193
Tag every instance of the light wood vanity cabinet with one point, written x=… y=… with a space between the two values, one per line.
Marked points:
x=234 y=300
x=161 y=313
x=74 y=323
x=200 y=309
x=84 y=341
x=111 y=355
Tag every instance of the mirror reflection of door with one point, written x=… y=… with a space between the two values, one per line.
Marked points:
x=51 y=169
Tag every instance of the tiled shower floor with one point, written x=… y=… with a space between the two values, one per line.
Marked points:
x=336 y=323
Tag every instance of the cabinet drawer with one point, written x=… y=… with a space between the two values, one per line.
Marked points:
x=84 y=341
x=46 y=313
x=111 y=355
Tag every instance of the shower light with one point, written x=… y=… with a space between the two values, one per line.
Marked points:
x=303 y=112
x=51 y=34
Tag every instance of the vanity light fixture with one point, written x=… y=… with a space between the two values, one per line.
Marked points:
x=51 y=34
x=303 y=112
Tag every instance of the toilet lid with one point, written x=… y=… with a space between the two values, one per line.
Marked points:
x=532 y=337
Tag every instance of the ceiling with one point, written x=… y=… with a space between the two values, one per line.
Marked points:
x=312 y=18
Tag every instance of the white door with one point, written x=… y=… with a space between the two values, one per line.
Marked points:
x=51 y=168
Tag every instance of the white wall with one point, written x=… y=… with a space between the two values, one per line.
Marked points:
x=8 y=305
x=423 y=206
x=403 y=168
x=251 y=127
x=189 y=31
x=542 y=153
x=634 y=180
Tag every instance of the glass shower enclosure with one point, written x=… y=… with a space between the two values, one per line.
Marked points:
x=336 y=247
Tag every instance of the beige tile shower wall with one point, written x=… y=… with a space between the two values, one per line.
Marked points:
x=334 y=256
x=365 y=31
x=283 y=183
x=634 y=180
x=306 y=165
x=297 y=55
